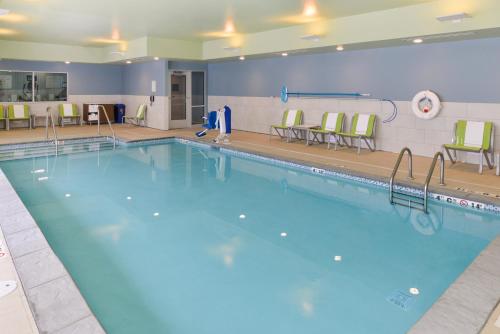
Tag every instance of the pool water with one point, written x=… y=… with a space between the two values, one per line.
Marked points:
x=175 y=238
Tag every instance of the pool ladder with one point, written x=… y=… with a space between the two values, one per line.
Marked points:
x=410 y=200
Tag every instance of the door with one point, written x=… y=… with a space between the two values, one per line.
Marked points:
x=198 y=100
x=188 y=98
x=179 y=100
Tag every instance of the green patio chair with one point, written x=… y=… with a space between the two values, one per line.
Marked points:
x=139 y=117
x=331 y=124
x=362 y=128
x=3 y=119
x=290 y=118
x=18 y=112
x=473 y=137
x=69 y=111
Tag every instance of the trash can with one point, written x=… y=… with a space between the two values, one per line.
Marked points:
x=119 y=113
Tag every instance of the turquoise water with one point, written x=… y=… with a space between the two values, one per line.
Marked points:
x=197 y=267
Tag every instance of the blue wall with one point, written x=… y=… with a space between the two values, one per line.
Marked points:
x=137 y=78
x=83 y=79
x=465 y=71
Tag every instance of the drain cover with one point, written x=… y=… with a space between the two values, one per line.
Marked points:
x=7 y=287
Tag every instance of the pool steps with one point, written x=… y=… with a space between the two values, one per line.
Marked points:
x=49 y=149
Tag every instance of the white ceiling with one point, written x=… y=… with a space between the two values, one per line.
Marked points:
x=83 y=22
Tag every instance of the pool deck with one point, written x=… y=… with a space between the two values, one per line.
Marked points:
x=58 y=307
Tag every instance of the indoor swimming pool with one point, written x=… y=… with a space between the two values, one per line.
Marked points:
x=175 y=237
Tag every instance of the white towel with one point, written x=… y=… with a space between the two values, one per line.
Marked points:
x=18 y=111
x=290 y=119
x=474 y=133
x=362 y=125
x=331 y=121
x=68 y=109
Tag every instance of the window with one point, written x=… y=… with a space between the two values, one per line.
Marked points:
x=16 y=86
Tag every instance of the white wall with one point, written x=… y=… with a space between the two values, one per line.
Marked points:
x=424 y=137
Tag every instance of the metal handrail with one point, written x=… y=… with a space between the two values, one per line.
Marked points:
x=395 y=170
x=429 y=176
x=50 y=117
x=109 y=124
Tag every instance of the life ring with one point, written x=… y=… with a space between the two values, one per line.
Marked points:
x=426 y=105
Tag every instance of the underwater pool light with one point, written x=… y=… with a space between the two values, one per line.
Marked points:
x=129 y=198
x=156 y=214
x=67 y=195
x=283 y=234
x=337 y=258
x=242 y=216
x=414 y=291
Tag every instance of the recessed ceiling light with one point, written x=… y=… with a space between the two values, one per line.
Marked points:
x=418 y=40
x=128 y=62
x=284 y=54
x=67 y=62
x=229 y=26
x=310 y=8
x=242 y=57
x=156 y=58
x=4 y=11
x=340 y=48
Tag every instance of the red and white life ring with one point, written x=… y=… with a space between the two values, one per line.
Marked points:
x=426 y=105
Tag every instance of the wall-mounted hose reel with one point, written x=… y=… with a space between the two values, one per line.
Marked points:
x=284 y=94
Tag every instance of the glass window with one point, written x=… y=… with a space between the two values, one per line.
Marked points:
x=16 y=86
x=51 y=86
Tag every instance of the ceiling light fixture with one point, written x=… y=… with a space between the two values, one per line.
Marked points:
x=156 y=58
x=4 y=11
x=455 y=18
x=128 y=62
x=284 y=54
x=242 y=57
x=313 y=38
x=340 y=48
x=229 y=26
x=231 y=48
x=310 y=8
x=418 y=41
x=67 y=62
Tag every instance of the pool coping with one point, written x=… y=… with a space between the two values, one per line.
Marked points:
x=448 y=314
x=56 y=304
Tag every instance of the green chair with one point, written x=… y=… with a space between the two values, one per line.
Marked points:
x=18 y=112
x=331 y=124
x=290 y=118
x=473 y=137
x=2 y=117
x=69 y=111
x=362 y=128
x=139 y=116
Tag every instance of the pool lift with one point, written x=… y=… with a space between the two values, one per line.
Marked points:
x=220 y=119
